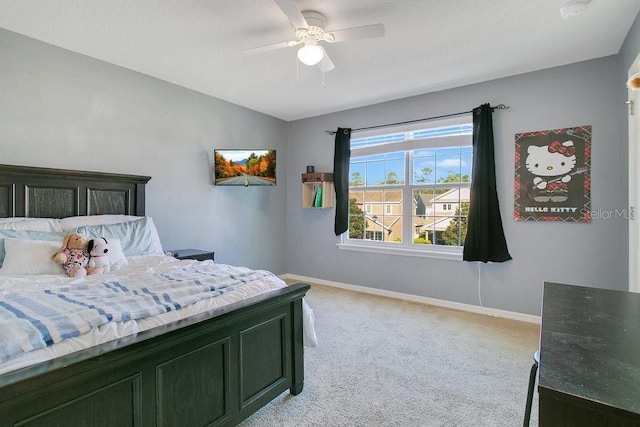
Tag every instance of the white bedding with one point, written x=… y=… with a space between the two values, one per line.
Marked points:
x=138 y=267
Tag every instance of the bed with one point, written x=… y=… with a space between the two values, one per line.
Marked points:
x=213 y=366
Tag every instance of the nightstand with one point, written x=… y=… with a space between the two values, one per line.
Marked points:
x=197 y=254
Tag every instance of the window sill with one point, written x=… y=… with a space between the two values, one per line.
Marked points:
x=451 y=255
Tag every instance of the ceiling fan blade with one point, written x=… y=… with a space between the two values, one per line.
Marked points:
x=290 y=9
x=326 y=64
x=272 y=47
x=364 y=32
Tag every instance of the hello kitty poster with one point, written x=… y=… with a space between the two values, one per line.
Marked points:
x=553 y=175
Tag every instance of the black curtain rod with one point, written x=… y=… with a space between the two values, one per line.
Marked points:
x=497 y=107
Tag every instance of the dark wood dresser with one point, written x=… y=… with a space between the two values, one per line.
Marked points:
x=589 y=357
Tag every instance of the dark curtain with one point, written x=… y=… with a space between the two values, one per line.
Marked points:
x=341 y=178
x=485 y=239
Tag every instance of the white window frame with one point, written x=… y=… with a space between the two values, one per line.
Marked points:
x=407 y=248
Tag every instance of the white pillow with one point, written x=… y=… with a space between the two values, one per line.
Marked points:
x=29 y=257
x=72 y=223
x=12 y=219
x=35 y=224
x=57 y=237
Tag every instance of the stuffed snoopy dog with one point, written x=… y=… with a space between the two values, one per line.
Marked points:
x=99 y=254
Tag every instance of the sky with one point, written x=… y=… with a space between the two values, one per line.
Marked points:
x=441 y=160
x=237 y=155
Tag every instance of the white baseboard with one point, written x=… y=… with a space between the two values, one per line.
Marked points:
x=419 y=299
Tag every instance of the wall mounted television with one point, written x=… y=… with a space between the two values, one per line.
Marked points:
x=244 y=167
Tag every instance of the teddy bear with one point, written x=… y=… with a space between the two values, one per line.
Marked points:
x=73 y=255
x=99 y=254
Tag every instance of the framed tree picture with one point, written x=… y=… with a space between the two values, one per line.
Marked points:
x=553 y=175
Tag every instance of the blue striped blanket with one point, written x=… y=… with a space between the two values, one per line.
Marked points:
x=37 y=318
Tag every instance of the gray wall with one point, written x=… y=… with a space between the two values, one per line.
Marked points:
x=630 y=47
x=593 y=254
x=64 y=110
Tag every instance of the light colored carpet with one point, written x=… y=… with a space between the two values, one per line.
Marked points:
x=387 y=362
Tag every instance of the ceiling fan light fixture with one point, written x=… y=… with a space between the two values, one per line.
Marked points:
x=310 y=53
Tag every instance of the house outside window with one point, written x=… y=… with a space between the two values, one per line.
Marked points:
x=409 y=188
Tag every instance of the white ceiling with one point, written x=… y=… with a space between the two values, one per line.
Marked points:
x=429 y=45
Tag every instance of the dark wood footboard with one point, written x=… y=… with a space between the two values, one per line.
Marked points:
x=216 y=368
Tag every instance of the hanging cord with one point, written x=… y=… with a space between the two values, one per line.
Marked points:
x=497 y=107
x=479 y=282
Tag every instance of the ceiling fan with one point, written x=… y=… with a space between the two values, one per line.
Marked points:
x=310 y=30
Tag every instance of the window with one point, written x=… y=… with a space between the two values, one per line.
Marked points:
x=409 y=190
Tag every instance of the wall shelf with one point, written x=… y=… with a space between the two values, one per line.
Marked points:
x=317 y=190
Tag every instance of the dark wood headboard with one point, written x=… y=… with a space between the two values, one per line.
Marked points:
x=58 y=193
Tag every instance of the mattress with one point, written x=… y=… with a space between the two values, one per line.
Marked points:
x=140 y=269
